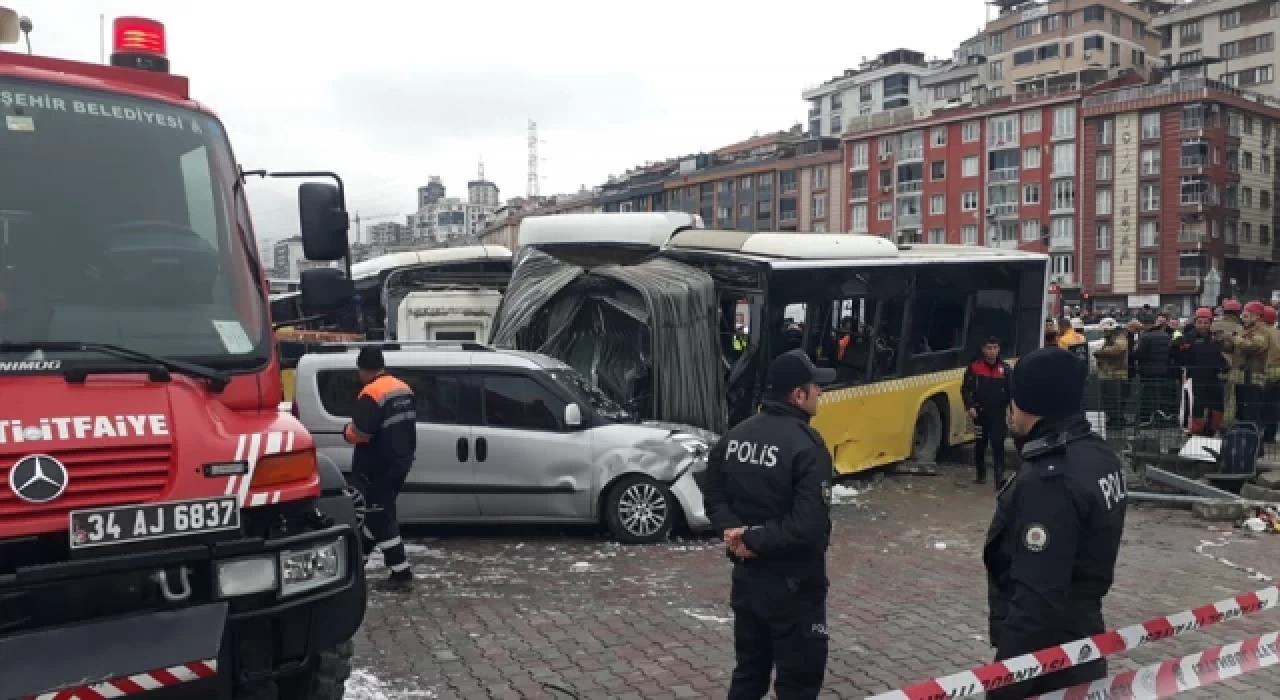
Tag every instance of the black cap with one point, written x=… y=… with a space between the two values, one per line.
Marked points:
x=1049 y=383
x=794 y=369
x=371 y=359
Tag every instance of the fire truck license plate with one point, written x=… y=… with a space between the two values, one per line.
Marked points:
x=96 y=527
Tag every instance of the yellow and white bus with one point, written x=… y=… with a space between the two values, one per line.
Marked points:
x=898 y=323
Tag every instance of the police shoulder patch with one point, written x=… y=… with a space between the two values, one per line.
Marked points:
x=1036 y=538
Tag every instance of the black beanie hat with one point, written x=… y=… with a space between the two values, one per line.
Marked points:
x=370 y=358
x=1049 y=383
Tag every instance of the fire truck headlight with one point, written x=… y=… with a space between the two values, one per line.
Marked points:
x=315 y=566
x=246 y=576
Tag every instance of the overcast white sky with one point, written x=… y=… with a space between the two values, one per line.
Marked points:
x=388 y=92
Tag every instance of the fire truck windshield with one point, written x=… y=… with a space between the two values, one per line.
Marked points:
x=120 y=224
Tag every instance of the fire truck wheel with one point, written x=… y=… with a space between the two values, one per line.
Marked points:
x=325 y=677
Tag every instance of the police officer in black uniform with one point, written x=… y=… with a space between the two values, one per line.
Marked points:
x=383 y=429
x=768 y=487
x=1051 y=550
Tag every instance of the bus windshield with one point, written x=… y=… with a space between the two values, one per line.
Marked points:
x=120 y=224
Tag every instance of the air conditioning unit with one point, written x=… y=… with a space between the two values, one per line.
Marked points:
x=991 y=211
x=886 y=189
x=884 y=157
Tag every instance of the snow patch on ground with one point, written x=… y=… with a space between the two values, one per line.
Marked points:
x=845 y=495
x=704 y=617
x=363 y=685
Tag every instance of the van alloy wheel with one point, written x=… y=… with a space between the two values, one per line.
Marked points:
x=640 y=510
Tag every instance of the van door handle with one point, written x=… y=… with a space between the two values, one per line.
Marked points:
x=482 y=449
x=462 y=449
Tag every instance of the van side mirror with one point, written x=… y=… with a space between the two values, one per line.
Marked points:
x=324 y=289
x=324 y=221
x=573 y=415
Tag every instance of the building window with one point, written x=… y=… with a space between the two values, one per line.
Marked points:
x=1246 y=232
x=1190 y=266
x=1229 y=20
x=860 y=155
x=969 y=166
x=1064 y=159
x=969 y=234
x=972 y=131
x=764 y=209
x=1094 y=42
x=1102 y=237
x=1061 y=266
x=886 y=145
x=937 y=236
x=1150 y=161
x=820 y=176
x=1103 y=202
x=1031 y=231
x=938 y=204
x=1062 y=232
x=1246 y=160
x=1102 y=167
x=722 y=213
x=1264 y=234
x=1002 y=131
x=1030 y=122
x=1064 y=194
x=1148 y=269
x=938 y=170
x=1064 y=122
x=886 y=178
x=1031 y=157
x=744 y=211
x=1151 y=198
x=884 y=211
x=939 y=136
x=787 y=180
x=819 y=206
x=1031 y=193
x=1102 y=272
x=1149 y=233
x=1264 y=199
x=1094 y=13
x=857 y=218
x=1106 y=132
x=744 y=183
x=969 y=201
x=1246 y=197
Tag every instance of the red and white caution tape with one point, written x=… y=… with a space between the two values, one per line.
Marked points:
x=1020 y=668
x=1178 y=675
x=137 y=683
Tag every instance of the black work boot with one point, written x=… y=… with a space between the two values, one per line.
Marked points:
x=397 y=582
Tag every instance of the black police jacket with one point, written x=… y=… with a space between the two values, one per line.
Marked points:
x=1152 y=353
x=1051 y=550
x=772 y=474
x=384 y=429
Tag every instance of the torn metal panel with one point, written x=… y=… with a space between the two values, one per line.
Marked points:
x=645 y=334
x=1186 y=485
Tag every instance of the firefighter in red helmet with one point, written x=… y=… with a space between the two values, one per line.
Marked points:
x=1248 y=352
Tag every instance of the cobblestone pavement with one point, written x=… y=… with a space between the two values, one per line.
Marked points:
x=501 y=612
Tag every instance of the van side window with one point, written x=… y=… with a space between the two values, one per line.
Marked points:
x=438 y=395
x=519 y=403
x=338 y=390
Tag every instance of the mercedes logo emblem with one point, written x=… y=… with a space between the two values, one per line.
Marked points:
x=38 y=478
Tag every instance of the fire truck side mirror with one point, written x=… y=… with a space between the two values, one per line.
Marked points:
x=324 y=222
x=10 y=26
x=324 y=289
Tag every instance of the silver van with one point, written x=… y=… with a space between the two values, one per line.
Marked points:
x=516 y=437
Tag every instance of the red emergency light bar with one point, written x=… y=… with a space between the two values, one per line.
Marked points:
x=137 y=42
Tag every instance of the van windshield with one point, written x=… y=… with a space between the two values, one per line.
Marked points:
x=119 y=224
x=589 y=395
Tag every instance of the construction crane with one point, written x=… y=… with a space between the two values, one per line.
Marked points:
x=358 y=220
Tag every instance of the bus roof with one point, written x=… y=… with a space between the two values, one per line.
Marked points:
x=430 y=256
x=630 y=229
x=795 y=246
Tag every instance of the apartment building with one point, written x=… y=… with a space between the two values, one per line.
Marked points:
x=889 y=81
x=953 y=83
x=1044 y=46
x=794 y=187
x=1233 y=41
x=1183 y=181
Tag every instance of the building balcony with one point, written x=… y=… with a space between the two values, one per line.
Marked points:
x=1060 y=244
x=1063 y=171
x=1003 y=210
x=1066 y=207
x=1193 y=123
x=859 y=165
x=910 y=187
x=995 y=144
x=1192 y=235
x=911 y=154
x=908 y=219
x=1003 y=175
x=859 y=193
x=897 y=91
x=787 y=217
x=860 y=227
x=815 y=112
x=1199 y=200
x=1194 y=162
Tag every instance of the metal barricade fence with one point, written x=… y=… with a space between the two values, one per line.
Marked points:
x=1168 y=421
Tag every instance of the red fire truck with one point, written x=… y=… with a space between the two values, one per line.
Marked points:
x=162 y=523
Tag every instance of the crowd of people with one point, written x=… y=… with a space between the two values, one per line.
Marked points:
x=1217 y=368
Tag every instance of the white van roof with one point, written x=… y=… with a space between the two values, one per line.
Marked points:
x=373 y=266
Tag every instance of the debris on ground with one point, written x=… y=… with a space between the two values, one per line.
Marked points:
x=846 y=495
x=1266 y=519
